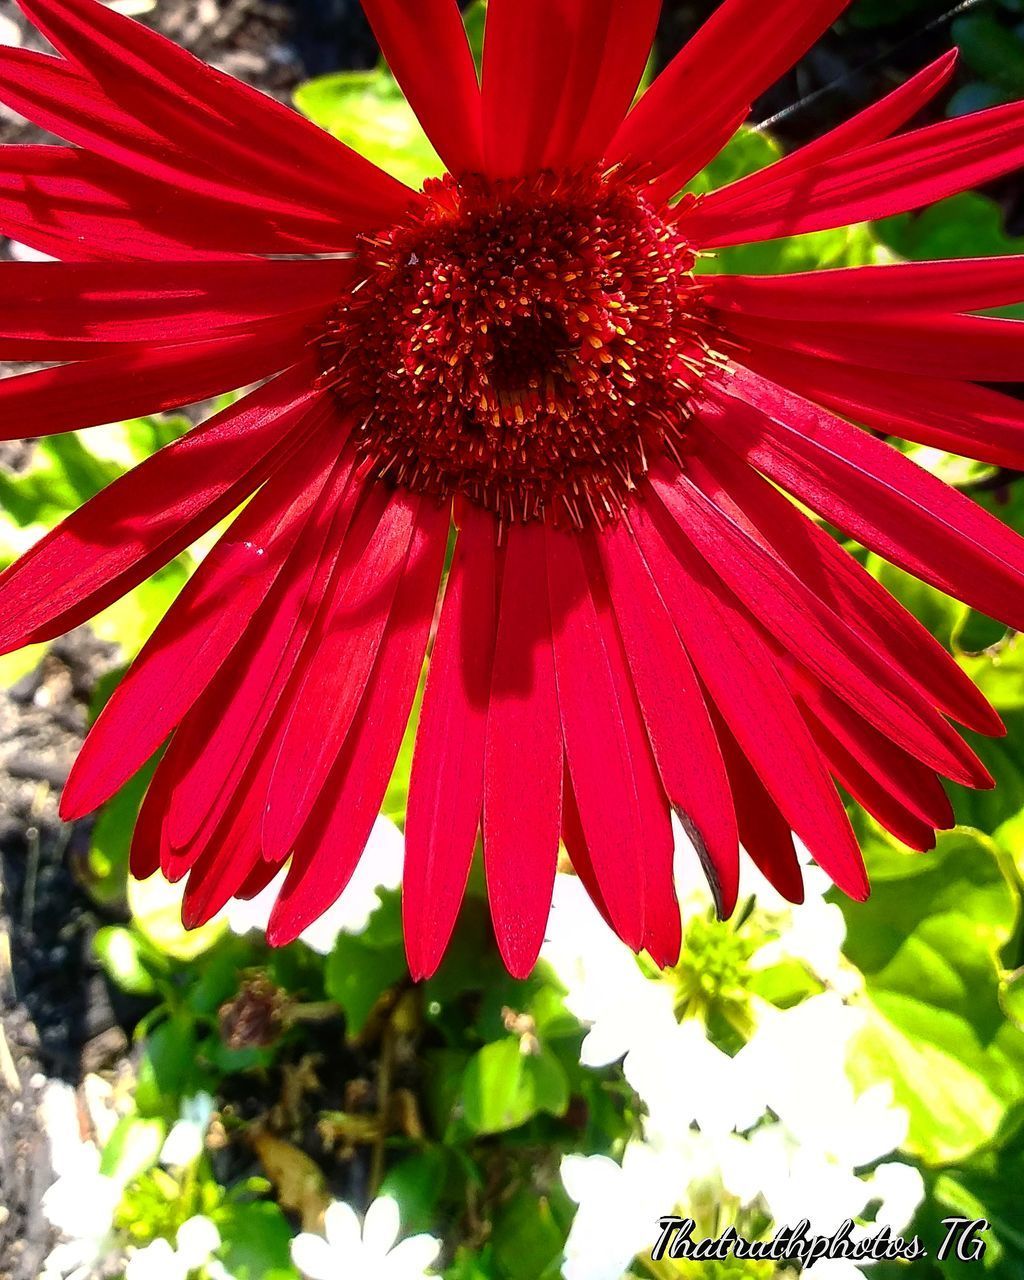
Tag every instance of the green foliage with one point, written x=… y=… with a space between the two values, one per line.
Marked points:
x=928 y=943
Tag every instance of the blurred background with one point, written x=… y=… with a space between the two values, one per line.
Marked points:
x=190 y=1106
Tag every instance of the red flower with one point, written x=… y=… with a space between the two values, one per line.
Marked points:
x=636 y=620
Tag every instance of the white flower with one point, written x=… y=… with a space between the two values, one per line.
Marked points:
x=81 y=1202
x=364 y=1251
x=157 y=1261
x=605 y=986
x=900 y=1190
x=184 y=1144
x=685 y=1078
x=196 y=1242
x=379 y=868
x=619 y=1208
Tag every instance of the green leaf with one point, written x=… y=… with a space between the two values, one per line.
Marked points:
x=167 y=1071
x=367 y=111
x=357 y=974
x=132 y=1148
x=155 y=905
x=256 y=1241
x=119 y=952
x=928 y=944
x=417 y=1184
x=503 y=1087
x=989 y=49
x=112 y=838
x=999 y=673
x=527 y=1237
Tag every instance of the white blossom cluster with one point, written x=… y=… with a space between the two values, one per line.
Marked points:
x=777 y=1127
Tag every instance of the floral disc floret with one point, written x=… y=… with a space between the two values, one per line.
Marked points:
x=529 y=344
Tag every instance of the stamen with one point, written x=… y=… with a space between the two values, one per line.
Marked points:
x=530 y=344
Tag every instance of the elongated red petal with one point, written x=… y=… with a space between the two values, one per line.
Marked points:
x=222 y=122
x=914 y=787
x=145 y=380
x=871 y=794
x=558 y=78
x=522 y=807
x=145 y=849
x=597 y=746
x=874 y=493
x=875 y=123
x=742 y=49
x=930 y=345
x=331 y=844
x=345 y=645
x=849 y=590
x=80 y=207
x=427 y=50
x=662 y=922
x=60 y=98
x=868 y=293
x=447 y=782
x=683 y=739
x=738 y=670
x=77 y=307
x=147 y=516
x=888 y=177
x=240 y=717
x=957 y=417
x=791 y=612
x=201 y=627
x=765 y=833
x=608 y=44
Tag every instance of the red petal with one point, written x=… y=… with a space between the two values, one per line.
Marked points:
x=879 y=121
x=201 y=628
x=147 y=380
x=970 y=348
x=742 y=49
x=597 y=745
x=739 y=672
x=144 y=853
x=662 y=923
x=888 y=177
x=764 y=831
x=682 y=736
x=225 y=124
x=868 y=293
x=957 y=417
x=760 y=578
x=870 y=793
x=914 y=787
x=559 y=78
x=80 y=207
x=849 y=591
x=522 y=757
x=427 y=50
x=446 y=787
x=875 y=494
x=77 y=309
x=146 y=517
x=239 y=718
x=57 y=97
x=343 y=648
x=331 y=844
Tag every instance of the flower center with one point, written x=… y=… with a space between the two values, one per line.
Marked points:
x=529 y=344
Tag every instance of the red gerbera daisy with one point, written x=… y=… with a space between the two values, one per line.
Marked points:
x=637 y=619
